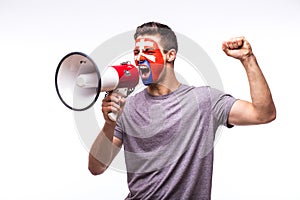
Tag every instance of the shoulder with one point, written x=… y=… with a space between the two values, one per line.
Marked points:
x=203 y=93
x=191 y=89
x=210 y=96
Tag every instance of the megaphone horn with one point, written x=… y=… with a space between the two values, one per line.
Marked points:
x=78 y=82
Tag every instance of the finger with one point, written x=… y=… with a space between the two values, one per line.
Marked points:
x=232 y=44
x=113 y=102
x=111 y=106
x=117 y=95
x=235 y=44
x=122 y=101
x=109 y=109
x=225 y=47
x=238 y=41
x=112 y=98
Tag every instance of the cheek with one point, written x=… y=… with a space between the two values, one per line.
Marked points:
x=158 y=57
x=157 y=66
x=156 y=71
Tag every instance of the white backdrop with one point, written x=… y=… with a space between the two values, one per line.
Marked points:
x=41 y=154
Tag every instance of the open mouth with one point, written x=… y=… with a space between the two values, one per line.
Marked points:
x=144 y=71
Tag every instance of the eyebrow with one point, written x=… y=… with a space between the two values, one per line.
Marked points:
x=149 y=48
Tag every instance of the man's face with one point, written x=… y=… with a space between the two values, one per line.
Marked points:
x=148 y=56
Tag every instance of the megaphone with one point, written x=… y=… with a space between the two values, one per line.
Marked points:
x=78 y=81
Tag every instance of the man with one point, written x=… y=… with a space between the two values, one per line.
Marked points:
x=168 y=129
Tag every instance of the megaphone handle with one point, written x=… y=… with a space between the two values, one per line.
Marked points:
x=112 y=116
x=123 y=92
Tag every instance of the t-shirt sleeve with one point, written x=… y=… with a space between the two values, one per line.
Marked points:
x=221 y=104
x=118 y=130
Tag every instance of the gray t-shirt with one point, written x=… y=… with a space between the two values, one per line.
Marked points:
x=168 y=142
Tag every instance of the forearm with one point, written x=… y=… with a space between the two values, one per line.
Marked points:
x=102 y=150
x=261 y=96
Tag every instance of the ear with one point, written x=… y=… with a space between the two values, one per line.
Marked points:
x=171 y=55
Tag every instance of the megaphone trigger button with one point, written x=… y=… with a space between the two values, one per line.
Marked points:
x=127 y=73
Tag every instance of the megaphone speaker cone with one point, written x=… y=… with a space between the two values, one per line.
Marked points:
x=77 y=81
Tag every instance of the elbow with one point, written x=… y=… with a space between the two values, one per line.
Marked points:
x=96 y=167
x=96 y=170
x=271 y=116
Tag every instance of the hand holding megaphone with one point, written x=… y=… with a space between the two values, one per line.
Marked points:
x=112 y=104
x=78 y=82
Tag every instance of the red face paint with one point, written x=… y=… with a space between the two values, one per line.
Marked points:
x=148 y=57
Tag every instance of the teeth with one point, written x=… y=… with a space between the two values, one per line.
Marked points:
x=143 y=66
x=144 y=69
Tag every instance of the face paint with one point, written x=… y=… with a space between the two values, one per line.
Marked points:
x=148 y=57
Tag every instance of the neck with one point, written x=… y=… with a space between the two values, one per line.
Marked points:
x=159 y=90
x=164 y=87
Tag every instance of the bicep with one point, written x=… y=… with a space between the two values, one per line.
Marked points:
x=243 y=113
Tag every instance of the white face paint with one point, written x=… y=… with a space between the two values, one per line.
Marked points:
x=149 y=58
x=142 y=44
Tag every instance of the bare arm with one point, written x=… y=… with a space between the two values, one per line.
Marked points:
x=261 y=109
x=106 y=146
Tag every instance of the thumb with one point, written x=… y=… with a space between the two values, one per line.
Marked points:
x=225 y=48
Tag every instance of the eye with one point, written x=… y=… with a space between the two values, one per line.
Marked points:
x=149 y=51
x=136 y=52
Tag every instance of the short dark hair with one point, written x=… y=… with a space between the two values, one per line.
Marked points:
x=167 y=35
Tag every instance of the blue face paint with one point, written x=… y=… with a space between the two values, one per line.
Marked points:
x=145 y=72
x=149 y=58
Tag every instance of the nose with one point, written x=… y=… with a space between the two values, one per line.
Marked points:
x=140 y=57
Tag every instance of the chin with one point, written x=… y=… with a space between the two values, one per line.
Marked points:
x=147 y=82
